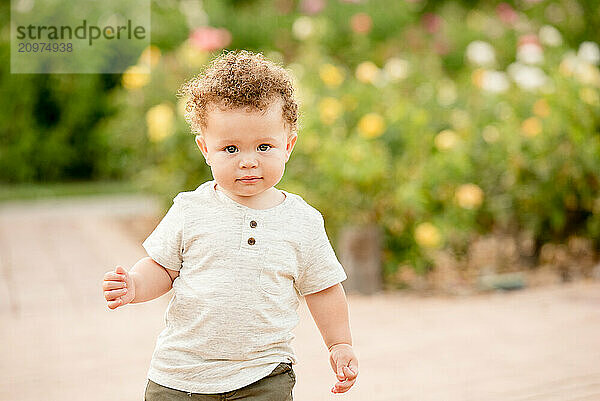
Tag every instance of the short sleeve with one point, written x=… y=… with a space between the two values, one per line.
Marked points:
x=321 y=268
x=164 y=244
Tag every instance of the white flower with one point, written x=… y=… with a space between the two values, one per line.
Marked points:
x=527 y=77
x=481 y=53
x=589 y=52
x=530 y=53
x=303 y=28
x=396 y=69
x=495 y=81
x=569 y=63
x=550 y=36
x=583 y=70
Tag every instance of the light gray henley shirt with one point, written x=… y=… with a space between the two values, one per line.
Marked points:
x=241 y=271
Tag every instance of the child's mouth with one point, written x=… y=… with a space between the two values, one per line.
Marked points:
x=250 y=180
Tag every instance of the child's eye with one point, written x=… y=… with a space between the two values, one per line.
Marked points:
x=264 y=147
x=230 y=149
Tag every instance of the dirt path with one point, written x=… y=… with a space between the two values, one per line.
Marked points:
x=60 y=342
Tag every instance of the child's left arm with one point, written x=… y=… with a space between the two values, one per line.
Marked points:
x=330 y=312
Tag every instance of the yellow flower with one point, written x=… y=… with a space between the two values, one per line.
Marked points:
x=477 y=77
x=541 y=108
x=531 y=127
x=329 y=110
x=446 y=140
x=469 y=196
x=427 y=235
x=367 y=72
x=191 y=57
x=150 y=56
x=590 y=96
x=160 y=122
x=331 y=75
x=371 y=125
x=135 y=77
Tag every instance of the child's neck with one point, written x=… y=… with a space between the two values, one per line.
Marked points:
x=265 y=200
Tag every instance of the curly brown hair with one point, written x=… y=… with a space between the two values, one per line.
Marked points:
x=239 y=79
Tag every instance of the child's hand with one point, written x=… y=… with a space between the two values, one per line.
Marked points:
x=119 y=288
x=345 y=365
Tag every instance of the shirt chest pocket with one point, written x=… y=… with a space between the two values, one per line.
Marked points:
x=279 y=270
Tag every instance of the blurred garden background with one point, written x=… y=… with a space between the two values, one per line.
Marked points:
x=467 y=131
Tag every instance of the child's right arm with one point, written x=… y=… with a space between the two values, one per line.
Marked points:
x=145 y=281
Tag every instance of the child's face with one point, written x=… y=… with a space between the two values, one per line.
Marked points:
x=246 y=151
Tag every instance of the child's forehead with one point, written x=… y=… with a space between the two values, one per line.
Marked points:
x=251 y=117
x=271 y=106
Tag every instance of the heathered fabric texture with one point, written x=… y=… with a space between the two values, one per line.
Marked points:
x=234 y=306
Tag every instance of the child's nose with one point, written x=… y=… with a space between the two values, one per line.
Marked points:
x=248 y=161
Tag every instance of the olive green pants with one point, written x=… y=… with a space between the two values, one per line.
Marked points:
x=277 y=386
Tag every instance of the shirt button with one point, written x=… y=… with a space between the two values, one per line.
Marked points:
x=253 y=224
x=251 y=241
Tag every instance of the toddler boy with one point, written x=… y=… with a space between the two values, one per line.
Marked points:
x=238 y=252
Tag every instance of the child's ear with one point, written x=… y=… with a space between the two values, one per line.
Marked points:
x=291 y=142
x=200 y=141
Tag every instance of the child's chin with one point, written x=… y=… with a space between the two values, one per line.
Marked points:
x=248 y=190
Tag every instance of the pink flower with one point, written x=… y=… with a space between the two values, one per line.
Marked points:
x=507 y=14
x=431 y=22
x=361 y=23
x=529 y=39
x=312 y=6
x=209 y=39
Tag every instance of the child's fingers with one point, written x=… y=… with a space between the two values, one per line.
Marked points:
x=111 y=295
x=113 y=285
x=341 y=374
x=346 y=373
x=115 y=304
x=350 y=372
x=114 y=276
x=342 y=387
